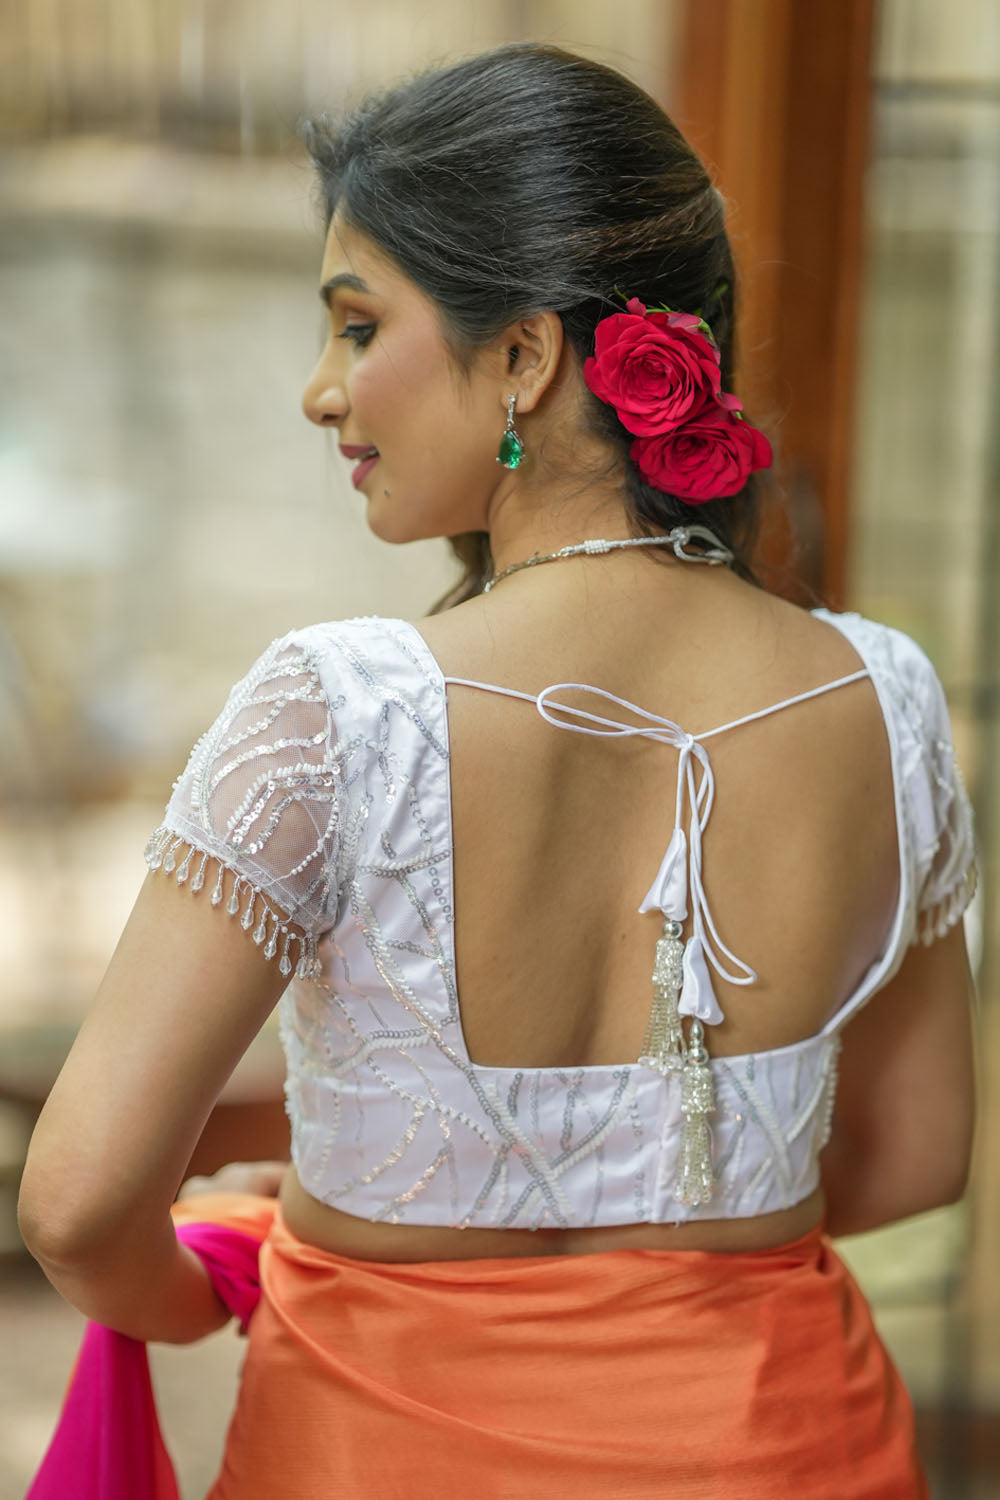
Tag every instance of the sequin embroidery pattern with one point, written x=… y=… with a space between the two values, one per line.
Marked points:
x=390 y=1118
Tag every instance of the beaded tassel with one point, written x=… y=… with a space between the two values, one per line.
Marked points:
x=161 y=853
x=662 y=1046
x=695 y=1177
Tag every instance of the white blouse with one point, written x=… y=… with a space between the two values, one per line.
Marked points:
x=324 y=786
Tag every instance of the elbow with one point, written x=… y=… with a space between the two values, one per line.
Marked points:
x=46 y=1236
x=953 y=1187
x=56 y=1233
x=941 y=1191
x=948 y=1163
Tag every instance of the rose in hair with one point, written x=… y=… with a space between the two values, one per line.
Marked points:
x=656 y=368
x=711 y=456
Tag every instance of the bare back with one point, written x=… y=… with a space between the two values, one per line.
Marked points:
x=557 y=836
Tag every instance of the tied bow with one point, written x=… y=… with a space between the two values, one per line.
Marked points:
x=679 y=875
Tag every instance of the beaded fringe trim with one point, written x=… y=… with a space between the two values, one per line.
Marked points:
x=161 y=853
x=935 y=923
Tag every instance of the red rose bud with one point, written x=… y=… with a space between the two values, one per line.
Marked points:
x=713 y=456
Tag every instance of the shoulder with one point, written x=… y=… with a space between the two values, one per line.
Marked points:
x=909 y=688
x=365 y=655
x=910 y=691
x=936 y=814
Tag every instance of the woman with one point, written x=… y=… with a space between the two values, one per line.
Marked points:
x=562 y=1018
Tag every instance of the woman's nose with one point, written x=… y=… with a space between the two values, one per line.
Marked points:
x=324 y=400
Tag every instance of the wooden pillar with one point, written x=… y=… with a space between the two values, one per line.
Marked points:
x=775 y=96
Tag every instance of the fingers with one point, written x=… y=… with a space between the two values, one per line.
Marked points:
x=263 y=1178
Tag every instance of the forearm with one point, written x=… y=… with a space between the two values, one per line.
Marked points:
x=151 y=1289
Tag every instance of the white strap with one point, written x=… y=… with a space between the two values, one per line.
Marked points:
x=679 y=873
x=824 y=687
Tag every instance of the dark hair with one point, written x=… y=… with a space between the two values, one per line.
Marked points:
x=527 y=179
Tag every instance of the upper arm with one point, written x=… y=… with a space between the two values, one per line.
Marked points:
x=183 y=997
x=905 y=1100
x=251 y=832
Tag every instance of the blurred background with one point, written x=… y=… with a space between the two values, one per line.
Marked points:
x=159 y=251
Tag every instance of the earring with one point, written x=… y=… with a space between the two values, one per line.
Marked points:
x=511 y=447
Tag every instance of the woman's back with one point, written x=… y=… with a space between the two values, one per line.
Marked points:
x=557 y=836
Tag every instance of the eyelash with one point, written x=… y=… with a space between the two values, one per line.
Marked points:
x=359 y=333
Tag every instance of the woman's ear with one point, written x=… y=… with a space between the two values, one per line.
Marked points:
x=533 y=349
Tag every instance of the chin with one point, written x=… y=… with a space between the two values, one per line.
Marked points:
x=400 y=524
x=391 y=526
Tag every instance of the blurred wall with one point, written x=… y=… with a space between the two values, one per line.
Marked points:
x=159 y=253
x=236 y=73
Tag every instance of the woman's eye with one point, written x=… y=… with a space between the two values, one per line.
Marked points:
x=359 y=333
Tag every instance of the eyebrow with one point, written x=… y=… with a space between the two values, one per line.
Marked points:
x=345 y=279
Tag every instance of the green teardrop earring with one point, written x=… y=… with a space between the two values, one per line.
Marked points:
x=511 y=447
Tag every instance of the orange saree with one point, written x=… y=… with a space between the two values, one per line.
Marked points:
x=625 y=1373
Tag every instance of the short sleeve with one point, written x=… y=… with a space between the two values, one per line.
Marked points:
x=943 y=823
x=261 y=796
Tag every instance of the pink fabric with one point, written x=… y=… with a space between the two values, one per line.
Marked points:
x=108 y=1444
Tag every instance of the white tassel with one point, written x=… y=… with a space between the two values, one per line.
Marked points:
x=663 y=1043
x=695 y=1176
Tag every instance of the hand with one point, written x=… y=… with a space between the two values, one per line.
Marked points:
x=261 y=1177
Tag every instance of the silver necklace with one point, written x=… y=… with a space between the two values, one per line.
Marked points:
x=713 y=553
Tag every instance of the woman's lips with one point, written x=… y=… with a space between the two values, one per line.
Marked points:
x=358 y=476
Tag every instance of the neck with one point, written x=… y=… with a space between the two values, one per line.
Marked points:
x=642 y=583
x=526 y=521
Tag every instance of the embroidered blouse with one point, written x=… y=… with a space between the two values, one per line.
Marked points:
x=324 y=787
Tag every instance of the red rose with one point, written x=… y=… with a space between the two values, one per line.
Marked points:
x=655 y=368
x=714 y=455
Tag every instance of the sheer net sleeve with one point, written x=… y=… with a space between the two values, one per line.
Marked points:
x=943 y=822
x=260 y=797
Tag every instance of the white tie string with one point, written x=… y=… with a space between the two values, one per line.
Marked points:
x=679 y=877
x=700 y=795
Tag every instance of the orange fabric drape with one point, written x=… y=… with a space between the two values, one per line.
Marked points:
x=626 y=1373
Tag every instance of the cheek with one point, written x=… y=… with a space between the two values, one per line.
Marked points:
x=414 y=417
x=373 y=386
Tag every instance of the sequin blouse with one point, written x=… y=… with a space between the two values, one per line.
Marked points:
x=324 y=786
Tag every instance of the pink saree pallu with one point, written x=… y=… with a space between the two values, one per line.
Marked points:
x=107 y=1444
x=627 y=1373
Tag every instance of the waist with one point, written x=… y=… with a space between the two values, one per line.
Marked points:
x=340 y=1233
